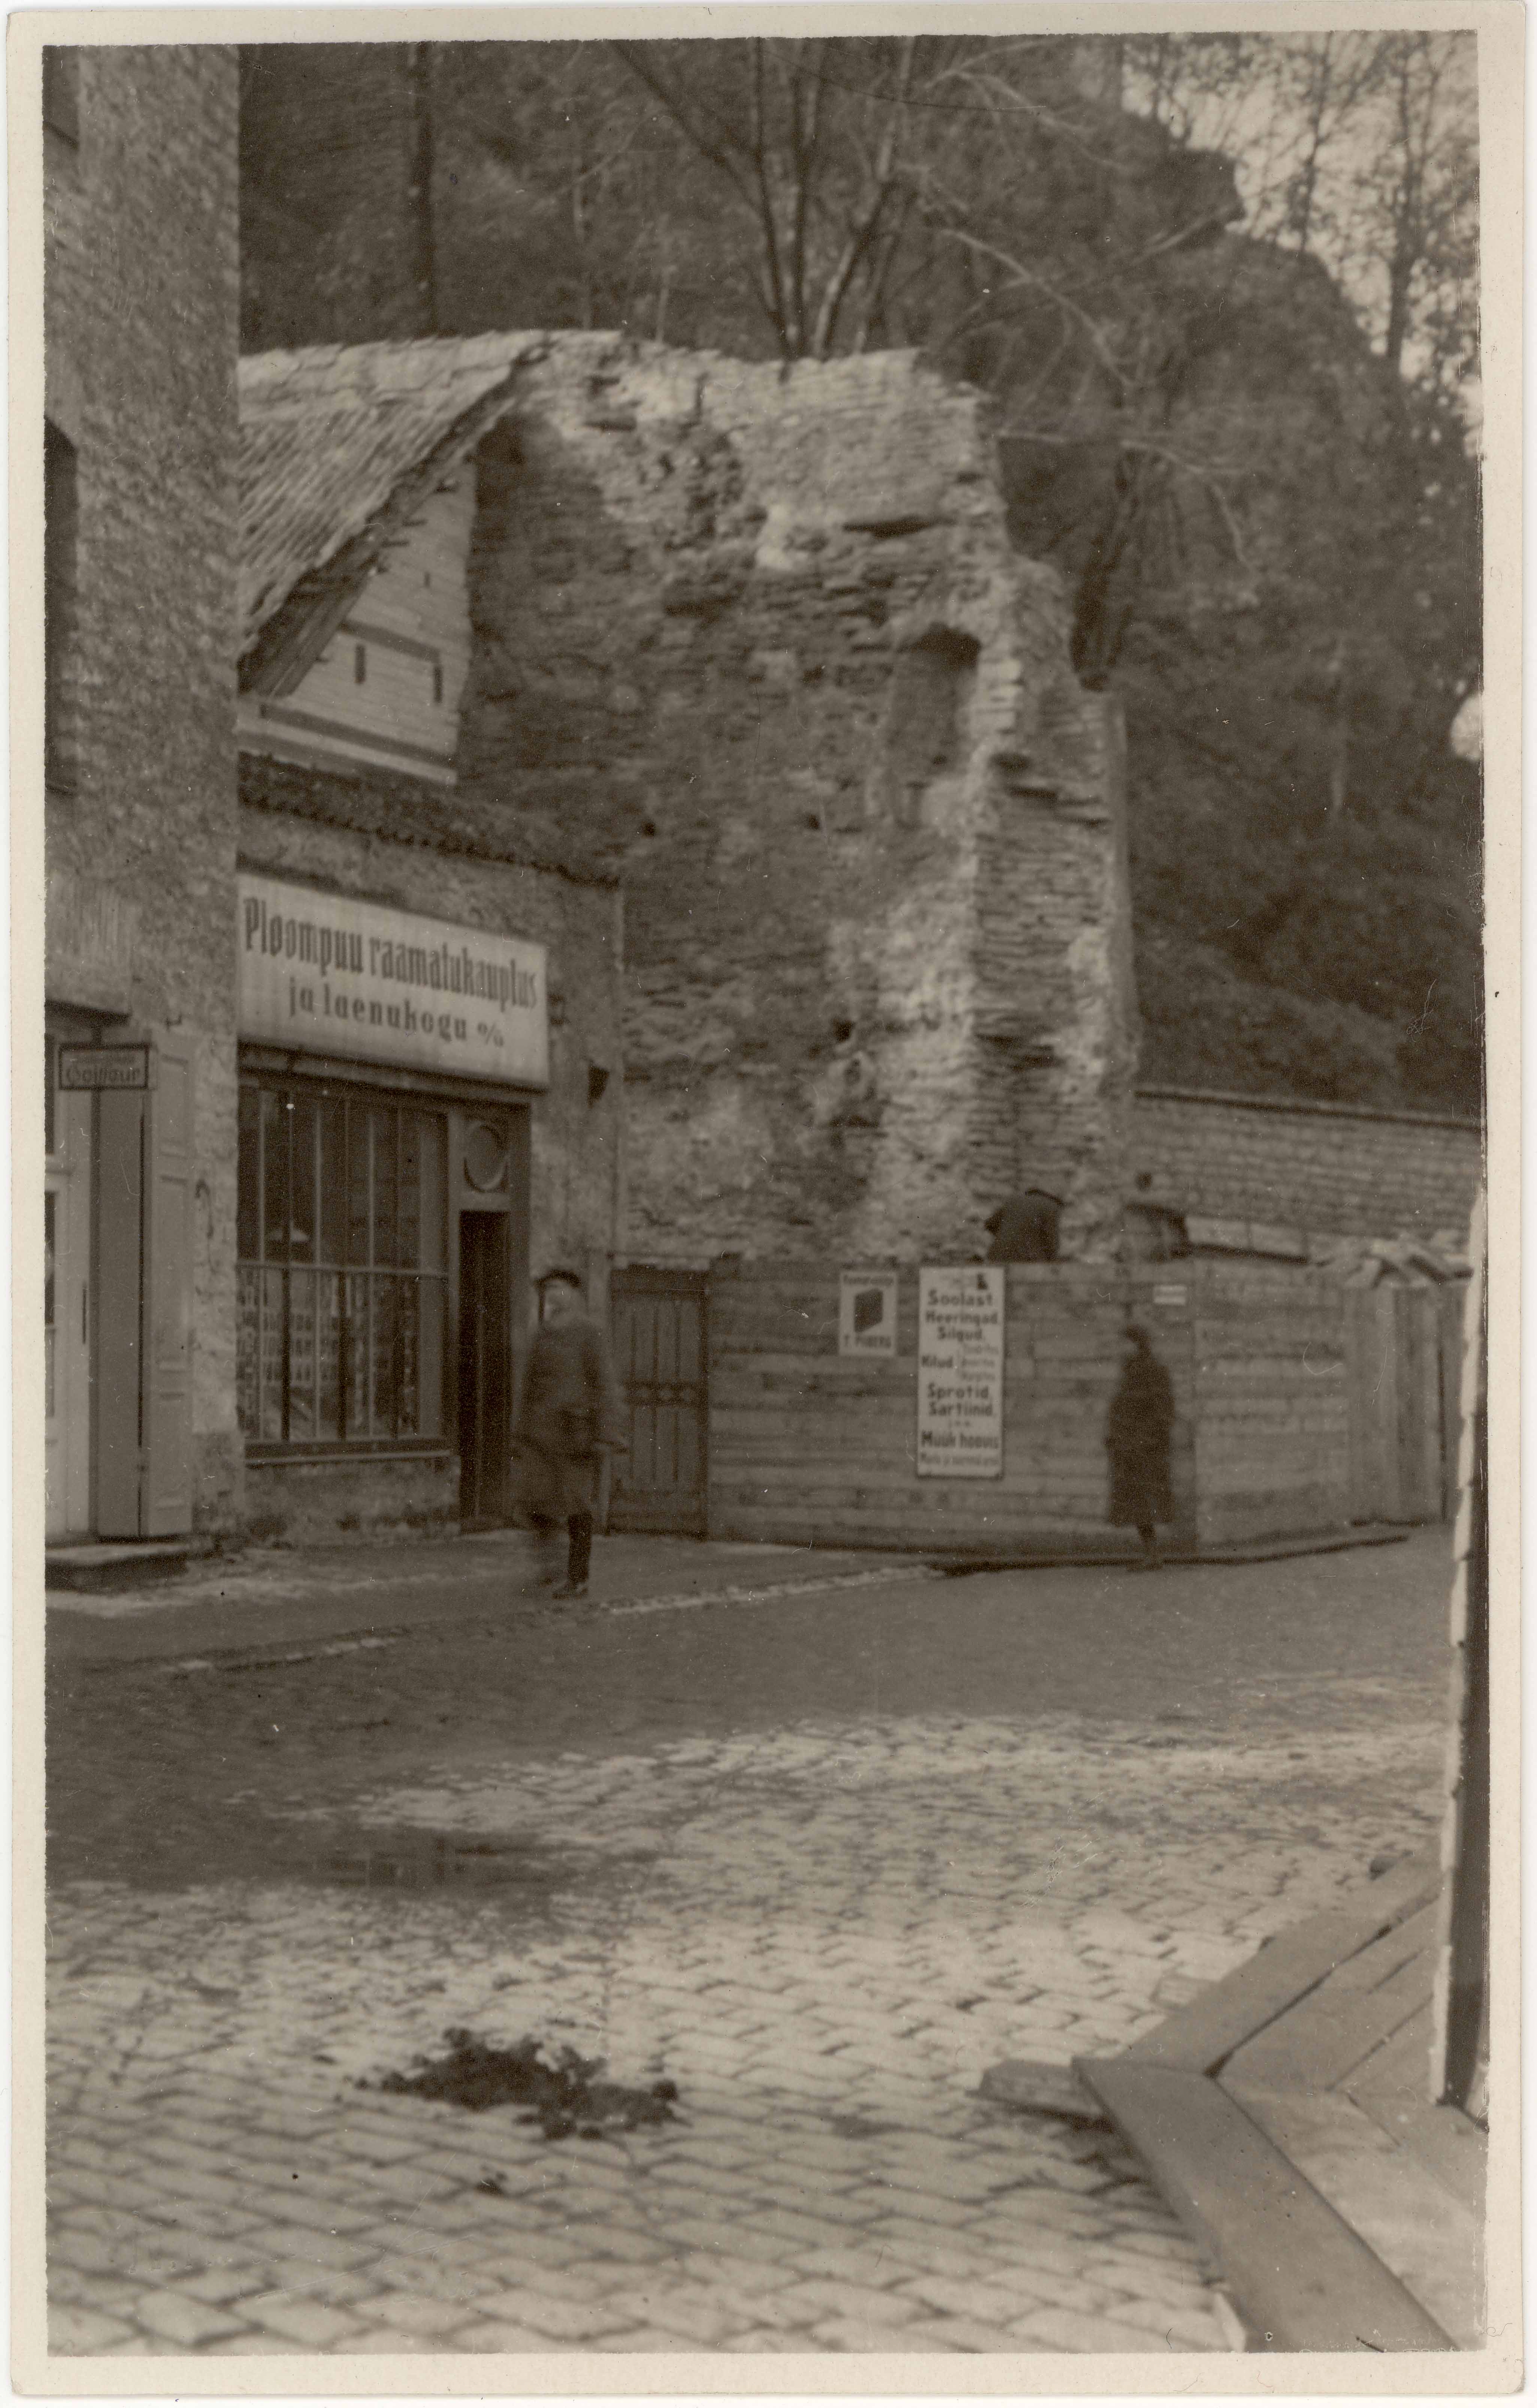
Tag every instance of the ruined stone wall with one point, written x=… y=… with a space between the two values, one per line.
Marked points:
x=758 y=637
x=140 y=281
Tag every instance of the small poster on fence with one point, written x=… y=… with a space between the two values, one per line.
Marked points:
x=866 y=1312
x=960 y=1374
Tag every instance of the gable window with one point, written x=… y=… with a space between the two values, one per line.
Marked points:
x=360 y=664
x=60 y=529
x=343 y=1273
x=61 y=91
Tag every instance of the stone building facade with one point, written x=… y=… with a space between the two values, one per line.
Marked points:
x=531 y=1164
x=758 y=642
x=334 y=1063
x=140 y=294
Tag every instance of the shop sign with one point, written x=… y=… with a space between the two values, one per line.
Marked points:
x=328 y=974
x=83 y=1068
x=960 y=1373
x=866 y=1312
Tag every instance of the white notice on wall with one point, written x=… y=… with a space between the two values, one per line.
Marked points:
x=960 y=1374
x=866 y=1312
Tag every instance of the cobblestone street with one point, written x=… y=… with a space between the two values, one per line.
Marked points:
x=818 y=1859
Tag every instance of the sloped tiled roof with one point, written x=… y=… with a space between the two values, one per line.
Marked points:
x=328 y=434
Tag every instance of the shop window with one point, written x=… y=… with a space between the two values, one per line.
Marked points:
x=343 y=1273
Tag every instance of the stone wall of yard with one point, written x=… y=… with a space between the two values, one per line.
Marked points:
x=1305 y=1166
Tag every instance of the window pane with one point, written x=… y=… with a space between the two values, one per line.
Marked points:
x=327 y=1354
x=409 y=1218
x=332 y=1246
x=247 y=1323
x=408 y=1302
x=357 y=1354
x=384 y=1125
x=271 y=1355
x=301 y=1354
x=274 y=1121
x=301 y=1235
x=431 y=1142
x=381 y=1358
x=359 y=1183
x=432 y=1313
x=50 y=1069
x=249 y=1178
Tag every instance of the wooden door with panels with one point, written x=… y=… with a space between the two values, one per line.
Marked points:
x=659 y=1319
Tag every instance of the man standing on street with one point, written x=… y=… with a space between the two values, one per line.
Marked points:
x=569 y=1413
x=1137 y=1430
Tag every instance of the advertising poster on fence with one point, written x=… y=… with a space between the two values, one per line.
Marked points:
x=866 y=1312
x=960 y=1374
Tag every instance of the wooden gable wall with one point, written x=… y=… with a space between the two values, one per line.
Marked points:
x=387 y=686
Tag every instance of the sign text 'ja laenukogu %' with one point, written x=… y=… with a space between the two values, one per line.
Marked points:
x=329 y=974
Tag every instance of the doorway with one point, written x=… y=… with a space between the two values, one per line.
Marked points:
x=485 y=1368
x=66 y=1308
x=660 y=1324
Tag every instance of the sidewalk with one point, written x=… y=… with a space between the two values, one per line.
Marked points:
x=1286 y=2117
x=291 y=1595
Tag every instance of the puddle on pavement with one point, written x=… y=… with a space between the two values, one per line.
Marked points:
x=561 y=2091
x=247 y=1847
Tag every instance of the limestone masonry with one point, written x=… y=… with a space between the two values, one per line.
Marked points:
x=760 y=638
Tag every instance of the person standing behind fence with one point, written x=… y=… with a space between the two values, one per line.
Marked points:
x=1137 y=1430
x=569 y=1413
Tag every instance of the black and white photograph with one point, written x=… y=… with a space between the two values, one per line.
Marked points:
x=764 y=854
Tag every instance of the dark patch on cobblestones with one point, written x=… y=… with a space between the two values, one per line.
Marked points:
x=563 y=2094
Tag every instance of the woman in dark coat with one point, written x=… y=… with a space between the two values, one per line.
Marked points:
x=569 y=1413
x=1137 y=1430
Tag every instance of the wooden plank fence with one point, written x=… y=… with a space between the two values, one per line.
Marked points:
x=1301 y=1406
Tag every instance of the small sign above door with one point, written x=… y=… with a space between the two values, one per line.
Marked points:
x=83 y=1068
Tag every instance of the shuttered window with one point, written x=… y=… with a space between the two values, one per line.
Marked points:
x=343 y=1275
